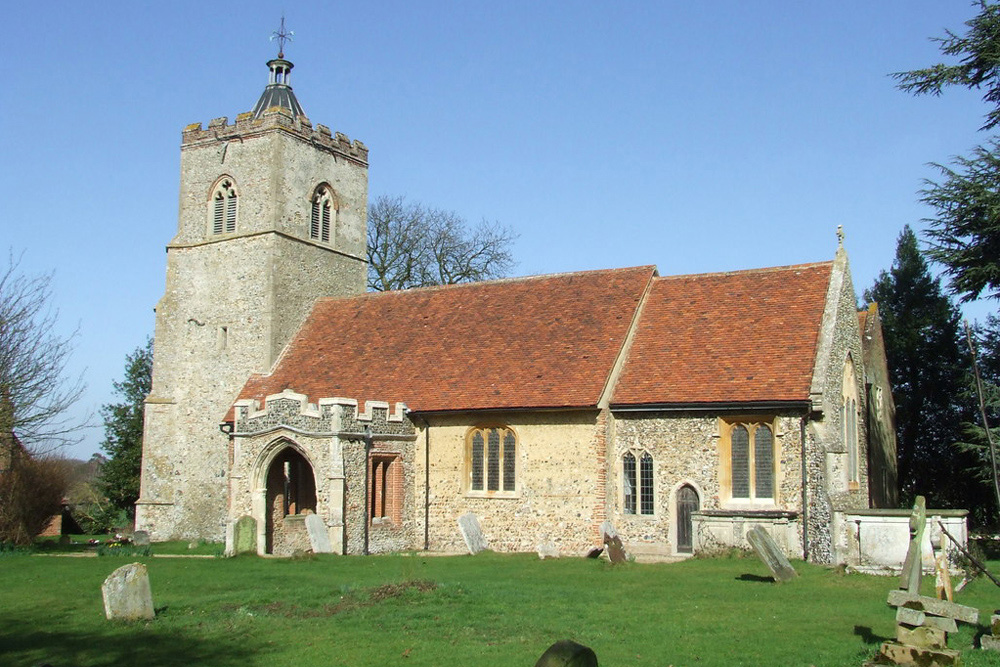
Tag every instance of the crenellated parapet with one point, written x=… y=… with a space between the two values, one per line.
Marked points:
x=275 y=118
x=328 y=416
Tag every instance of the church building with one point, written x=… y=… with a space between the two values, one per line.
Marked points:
x=681 y=410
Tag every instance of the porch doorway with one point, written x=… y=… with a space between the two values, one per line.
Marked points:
x=291 y=494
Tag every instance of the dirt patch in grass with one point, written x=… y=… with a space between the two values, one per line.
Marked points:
x=349 y=602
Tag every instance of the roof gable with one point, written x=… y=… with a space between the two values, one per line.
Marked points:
x=738 y=337
x=541 y=342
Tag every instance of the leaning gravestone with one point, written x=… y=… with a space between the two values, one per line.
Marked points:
x=245 y=535
x=768 y=551
x=468 y=524
x=319 y=537
x=616 y=550
x=567 y=653
x=547 y=550
x=140 y=538
x=127 y=596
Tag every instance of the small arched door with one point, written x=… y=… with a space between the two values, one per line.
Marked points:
x=687 y=504
x=291 y=493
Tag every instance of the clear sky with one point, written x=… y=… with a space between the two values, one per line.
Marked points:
x=697 y=136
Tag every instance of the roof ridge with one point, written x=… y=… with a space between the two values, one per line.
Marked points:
x=494 y=281
x=765 y=269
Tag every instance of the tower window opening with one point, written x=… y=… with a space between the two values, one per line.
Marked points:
x=320 y=218
x=224 y=202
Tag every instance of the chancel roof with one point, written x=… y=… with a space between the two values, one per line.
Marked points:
x=739 y=337
x=558 y=341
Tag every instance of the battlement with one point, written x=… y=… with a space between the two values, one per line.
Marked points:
x=328 y=415
x=275 y=118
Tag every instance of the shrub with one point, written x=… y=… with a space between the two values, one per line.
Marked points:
x=31 y=492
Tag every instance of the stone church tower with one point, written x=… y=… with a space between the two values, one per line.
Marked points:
x=272 y=216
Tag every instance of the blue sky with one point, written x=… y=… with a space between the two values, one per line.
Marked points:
x=697 y=136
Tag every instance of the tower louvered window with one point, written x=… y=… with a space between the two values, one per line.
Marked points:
x=224 y=203
x=321 y=215
x=492 y=460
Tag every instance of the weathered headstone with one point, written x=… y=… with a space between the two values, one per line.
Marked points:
x=991 y=642
x=615 y=548
x=567 y=653
x=909 y=578
x=768 y=551
x=468 y=525
x=319 y=536
x=245 y=535
x=127 y=595
x=140 y=538
x=547 y=550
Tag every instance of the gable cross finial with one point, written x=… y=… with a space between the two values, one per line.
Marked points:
x=282 y=36
x=840 y=236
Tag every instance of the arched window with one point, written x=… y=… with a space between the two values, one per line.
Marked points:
x=224 y=201
x=492 y=460
x=849 y=421
x=637 y=493
x=749 y=464
x=322 y=212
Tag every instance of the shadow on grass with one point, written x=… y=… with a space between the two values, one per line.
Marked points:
x=867 y=636
x=139 y=644
x=755 y=577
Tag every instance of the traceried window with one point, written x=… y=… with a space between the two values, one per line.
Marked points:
x=224 y=204
x=492 y=460
x=748 y=461
x=321 y=214
x=637 y=491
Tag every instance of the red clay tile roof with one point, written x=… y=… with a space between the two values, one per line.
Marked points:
x=547 y=341
x=743 y=336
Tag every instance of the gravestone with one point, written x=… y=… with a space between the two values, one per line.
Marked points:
x=319 y=536
x=768 y=551
x=567 y=653
x=140 y=538
x=468 y=525
x=922 y=622
x=547 y=550
x=909 y=578
x=615 y=548
x=127 y=595
x=245 y=535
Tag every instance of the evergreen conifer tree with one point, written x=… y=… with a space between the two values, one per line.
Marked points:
x=123 y=423
x=928 y=368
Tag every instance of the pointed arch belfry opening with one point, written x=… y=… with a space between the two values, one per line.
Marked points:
x=290 y=494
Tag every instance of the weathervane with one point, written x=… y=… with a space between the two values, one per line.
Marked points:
x=282 y=36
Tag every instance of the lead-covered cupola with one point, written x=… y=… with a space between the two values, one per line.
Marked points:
x=278 y=92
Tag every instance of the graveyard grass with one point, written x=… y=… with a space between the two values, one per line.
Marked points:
x=488 y=609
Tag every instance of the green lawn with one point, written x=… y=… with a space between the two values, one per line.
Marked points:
x=420 y=610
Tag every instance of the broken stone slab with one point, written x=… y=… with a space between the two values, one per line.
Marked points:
x=934 y=606
x=989 y=643
x=909 y=577
x=567 y=653
x=924 y=637
x=768 y=551
x=468 y=525
x=900 y=654
x=319 y=536
x=127 y=595
x=245 y=535
x=917 y=618
x=140 y=538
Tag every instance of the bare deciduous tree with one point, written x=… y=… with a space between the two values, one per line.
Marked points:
x=35 y=394
x=411 y=245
